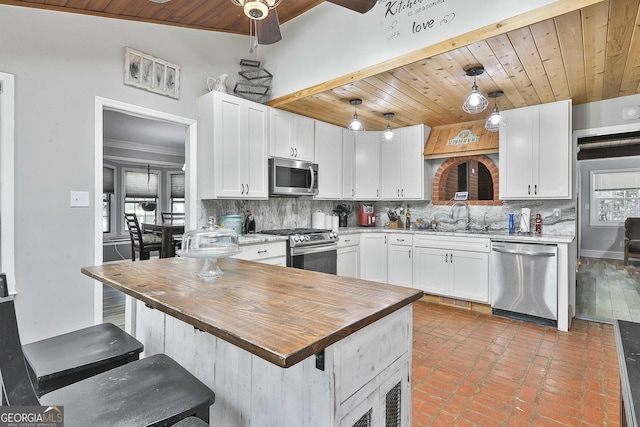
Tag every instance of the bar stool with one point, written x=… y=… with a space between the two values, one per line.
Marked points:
x=152 y=391
x=64 y=359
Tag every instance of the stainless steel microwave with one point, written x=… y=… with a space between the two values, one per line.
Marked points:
x=292 y=177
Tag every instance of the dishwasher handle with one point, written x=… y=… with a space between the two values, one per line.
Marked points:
x=521 y=252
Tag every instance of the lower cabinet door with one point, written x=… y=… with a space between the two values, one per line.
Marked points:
x=470 y=275
x=400 y=265
x=348 y=261
x=431 y=270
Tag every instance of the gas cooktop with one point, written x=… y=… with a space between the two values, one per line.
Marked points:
x=292 y=231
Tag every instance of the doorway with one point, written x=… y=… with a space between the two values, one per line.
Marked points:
x=190 y=147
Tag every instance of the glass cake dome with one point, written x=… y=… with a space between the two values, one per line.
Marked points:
x=209 y=242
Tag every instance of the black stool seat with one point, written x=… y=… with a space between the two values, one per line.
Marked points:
x=191 y=422
x=152 y=391
x=64 y=359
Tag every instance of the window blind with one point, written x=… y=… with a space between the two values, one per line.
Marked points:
x=141 y=184
x=177 y=185
x=108 y=183
x=616 y=180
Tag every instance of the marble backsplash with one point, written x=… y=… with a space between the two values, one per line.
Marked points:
x=284 y=212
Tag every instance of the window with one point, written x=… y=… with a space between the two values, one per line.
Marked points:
x=141 y=194
x=615 y=195
x=108 y=191
x=177 y=192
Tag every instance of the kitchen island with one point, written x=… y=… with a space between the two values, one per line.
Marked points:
x=279 y=346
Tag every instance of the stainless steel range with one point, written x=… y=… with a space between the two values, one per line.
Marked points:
x=310 y=248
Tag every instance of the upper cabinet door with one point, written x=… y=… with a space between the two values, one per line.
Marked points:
x=257 y=162
x=367 y=161
x=328 y=156
x=291 y=136
x=535 y=153
x=403 y=167
x=348 y=166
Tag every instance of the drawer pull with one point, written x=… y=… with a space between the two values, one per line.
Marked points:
x=262 y=252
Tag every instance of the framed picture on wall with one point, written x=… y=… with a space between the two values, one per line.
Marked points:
x=150 y=73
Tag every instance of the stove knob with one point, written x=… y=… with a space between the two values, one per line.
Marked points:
x=307 y=237
x=334 y=235
x=295 y=238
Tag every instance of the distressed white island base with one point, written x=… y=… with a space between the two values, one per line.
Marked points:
x=279 y=347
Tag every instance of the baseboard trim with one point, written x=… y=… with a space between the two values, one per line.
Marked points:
x=590 y=253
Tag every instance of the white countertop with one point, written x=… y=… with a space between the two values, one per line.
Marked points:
x=490 y=234
x=252 y=239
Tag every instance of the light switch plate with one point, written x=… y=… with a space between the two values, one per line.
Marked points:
x=79 y=199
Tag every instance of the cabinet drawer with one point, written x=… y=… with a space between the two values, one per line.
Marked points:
x=349 y=240
x=262 y=250
x=360 y=357
x=453 y=242
x=401 y=239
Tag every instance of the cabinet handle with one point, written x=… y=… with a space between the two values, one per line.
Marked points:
x=409 y=253
x=247 y=188
x=377 y=193
x=399 y=240
x=292 y=152
x=353 y=193
x=529 y=189
x=347 y=240
x=242 y=189
x=262 y=252
x=296 y=151
x=451 y=258
x=535 y=189
x=398 y=192
x=446 y=257
x=402 y=192
x=385 y=240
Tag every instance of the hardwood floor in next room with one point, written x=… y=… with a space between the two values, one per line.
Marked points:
x=606 y=289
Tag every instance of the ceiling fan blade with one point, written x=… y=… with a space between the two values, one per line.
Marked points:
x=362 y=6
x=268 y=29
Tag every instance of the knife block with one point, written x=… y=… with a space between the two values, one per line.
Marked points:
x=396 y=224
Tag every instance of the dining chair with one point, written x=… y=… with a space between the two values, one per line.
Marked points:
x=144 y=243
x=174 y=218
x=61 y=360
x=631 y=239
x=154 y=391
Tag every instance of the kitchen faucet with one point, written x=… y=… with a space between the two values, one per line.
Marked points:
x=461 y=203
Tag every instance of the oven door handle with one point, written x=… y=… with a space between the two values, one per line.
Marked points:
x=313 y=249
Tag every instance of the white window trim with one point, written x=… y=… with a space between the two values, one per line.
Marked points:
x=594 y=222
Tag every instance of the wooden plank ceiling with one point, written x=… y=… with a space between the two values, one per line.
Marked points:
x=588 y=55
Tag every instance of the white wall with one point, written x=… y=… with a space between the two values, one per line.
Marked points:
x=61 y=62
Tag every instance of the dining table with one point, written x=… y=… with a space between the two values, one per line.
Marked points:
x=167 y=230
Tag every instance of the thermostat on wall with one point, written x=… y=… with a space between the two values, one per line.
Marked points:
x=461 y=195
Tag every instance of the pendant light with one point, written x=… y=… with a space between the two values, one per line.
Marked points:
x=355 y=127
x=388 y=135
x=475 y=102
x=496 y=121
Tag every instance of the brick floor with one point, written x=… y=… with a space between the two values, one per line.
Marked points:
x=473 y=369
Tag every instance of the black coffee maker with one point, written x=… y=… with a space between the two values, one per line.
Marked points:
x=343 y=212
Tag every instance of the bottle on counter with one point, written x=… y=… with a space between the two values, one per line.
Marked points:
x=511 y=224
x=407 y=223
x=538 y=224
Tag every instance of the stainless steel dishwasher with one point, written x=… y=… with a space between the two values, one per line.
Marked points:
x=524 y=281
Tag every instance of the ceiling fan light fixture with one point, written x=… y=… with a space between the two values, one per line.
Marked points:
x=256 y=9
x=496 y=121
x=387 y=134
x=475 y=102
x=355 y=127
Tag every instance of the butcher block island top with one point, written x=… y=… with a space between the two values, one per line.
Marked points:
x=282 y=315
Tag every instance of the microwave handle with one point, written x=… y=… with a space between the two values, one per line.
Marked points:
x=313 y=178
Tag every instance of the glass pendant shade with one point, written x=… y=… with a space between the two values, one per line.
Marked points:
x=495 y=122
x=387 y=134
x=475 y=102
x=355 y=127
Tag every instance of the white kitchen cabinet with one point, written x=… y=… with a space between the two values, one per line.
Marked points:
x=367 y=166
x=456 y=267
x=328 y=156
x=291 y=135
x=232 y=147
x=535 y=152
x=274 y=253
x=373 y=256
x=349 y=256
x=399 y=259
x=402 y=174
x=348 y=166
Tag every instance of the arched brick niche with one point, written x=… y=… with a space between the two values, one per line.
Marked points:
x=450 y=166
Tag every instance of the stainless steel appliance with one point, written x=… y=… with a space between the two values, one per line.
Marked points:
x=292 y=177
x=524 y=281
x=310 y=248
x=367 y=215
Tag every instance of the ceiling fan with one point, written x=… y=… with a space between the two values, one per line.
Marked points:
x=263 y=13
